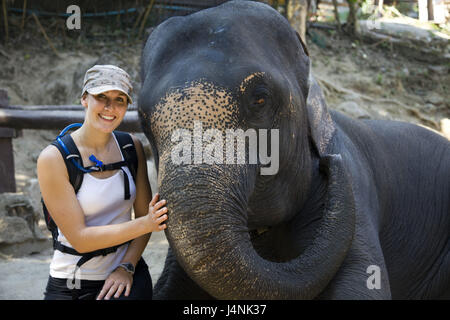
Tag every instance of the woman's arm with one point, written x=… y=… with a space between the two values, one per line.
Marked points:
x=121 y=280
x=62 y=204
x=141 y=205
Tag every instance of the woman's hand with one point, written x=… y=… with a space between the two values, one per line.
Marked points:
x=118 y=280
x=156 y=214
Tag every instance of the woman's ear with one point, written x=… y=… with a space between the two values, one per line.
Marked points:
x=84 y=100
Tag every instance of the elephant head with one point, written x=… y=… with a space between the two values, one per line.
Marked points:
x=240 y=66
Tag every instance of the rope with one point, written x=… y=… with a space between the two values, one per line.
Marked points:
x=99 y=14
x=86 y=15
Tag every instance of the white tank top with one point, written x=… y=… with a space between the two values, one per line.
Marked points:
x=102 y=201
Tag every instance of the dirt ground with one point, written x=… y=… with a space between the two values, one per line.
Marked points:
x=362 y=80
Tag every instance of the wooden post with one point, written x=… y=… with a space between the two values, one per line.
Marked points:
x=24 y=13
x=430 y=6
x=7 y=174
x=5 y=17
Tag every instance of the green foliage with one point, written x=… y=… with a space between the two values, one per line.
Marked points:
x=367 y=8
x=379 y=79
x=318 y=40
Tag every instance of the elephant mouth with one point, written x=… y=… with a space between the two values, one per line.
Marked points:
x=259 y=232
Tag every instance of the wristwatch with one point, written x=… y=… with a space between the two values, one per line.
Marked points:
x=128 y=266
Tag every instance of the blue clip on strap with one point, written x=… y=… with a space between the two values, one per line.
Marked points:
x=98 y=163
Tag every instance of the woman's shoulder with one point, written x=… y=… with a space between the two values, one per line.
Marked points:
x=49 y=153
x=50 y=157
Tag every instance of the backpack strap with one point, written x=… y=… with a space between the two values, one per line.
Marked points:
x=71 y=154
x=128 y=150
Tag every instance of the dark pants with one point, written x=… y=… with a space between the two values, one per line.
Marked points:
x=141 y=288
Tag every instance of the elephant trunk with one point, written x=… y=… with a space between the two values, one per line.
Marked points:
x=207 y=230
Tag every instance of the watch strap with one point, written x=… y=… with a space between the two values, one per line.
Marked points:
x=127 y=266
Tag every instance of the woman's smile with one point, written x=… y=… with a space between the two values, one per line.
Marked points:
x=107 y=118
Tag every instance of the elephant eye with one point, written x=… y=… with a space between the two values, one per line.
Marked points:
x=260 y=96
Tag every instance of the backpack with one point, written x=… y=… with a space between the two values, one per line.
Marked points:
x=76 y=171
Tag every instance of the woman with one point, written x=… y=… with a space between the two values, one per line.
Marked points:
x=98 y=216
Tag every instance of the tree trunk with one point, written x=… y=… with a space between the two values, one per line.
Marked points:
x=351 y=19
x=380 y=5
x=297 y=12
x=430 y=6
x=336 y=15
x=424 y=45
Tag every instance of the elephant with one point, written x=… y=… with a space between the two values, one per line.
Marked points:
x=357 y=209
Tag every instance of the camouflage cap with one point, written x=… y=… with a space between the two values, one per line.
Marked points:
x=101 y=78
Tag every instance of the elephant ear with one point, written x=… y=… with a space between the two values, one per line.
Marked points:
x=320 y=123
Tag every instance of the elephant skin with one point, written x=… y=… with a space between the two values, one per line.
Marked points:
x=358 y=209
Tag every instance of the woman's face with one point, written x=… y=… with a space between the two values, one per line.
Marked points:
x=106 y=110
